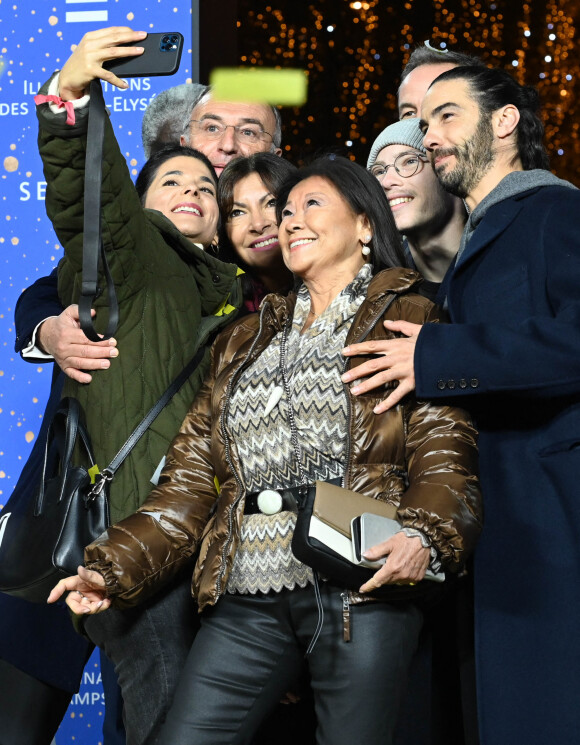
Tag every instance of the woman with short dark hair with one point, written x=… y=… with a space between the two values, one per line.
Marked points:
x=248 y=232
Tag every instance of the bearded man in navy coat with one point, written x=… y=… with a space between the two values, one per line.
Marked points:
x=512 y=357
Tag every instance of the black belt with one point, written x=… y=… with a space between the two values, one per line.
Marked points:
x=272 y=501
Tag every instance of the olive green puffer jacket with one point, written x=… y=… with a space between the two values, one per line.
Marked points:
x=172 y=297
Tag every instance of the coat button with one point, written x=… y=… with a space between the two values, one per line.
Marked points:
x=474 y=382
x=451 y=384
x=463 y=383
x=441 y=385
x=215 y=278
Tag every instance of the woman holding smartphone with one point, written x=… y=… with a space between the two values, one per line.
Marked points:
x=173 y=297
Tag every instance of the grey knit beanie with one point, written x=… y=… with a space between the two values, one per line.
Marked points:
x=405 y=132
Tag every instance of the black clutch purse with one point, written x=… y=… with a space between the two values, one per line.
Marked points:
x=322 y=540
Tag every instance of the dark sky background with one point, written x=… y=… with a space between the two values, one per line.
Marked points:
x=354 y=53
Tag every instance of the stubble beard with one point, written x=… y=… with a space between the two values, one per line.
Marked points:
x=474 y=158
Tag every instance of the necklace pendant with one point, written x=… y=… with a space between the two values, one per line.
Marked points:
x=275 y=397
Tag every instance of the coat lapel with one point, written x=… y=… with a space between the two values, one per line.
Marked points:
x=497 y=219
x=494 y=223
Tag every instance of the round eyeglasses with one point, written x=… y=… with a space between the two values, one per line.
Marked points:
x=210 y=129
x=405 y=164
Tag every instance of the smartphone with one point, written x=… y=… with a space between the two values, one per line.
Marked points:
x=368 y=530
x=161 y=57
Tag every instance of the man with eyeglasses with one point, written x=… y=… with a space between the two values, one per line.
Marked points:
x=224 y=130
x=430 y=219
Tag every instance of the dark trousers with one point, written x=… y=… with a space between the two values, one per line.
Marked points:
x=250 y=651
x=148 y=646
x=31 y=710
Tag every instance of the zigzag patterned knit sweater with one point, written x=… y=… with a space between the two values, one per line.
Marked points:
x=314 y=363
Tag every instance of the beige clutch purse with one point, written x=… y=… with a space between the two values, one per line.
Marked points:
x=336 y=507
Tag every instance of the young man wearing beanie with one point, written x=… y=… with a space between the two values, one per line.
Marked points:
x=430 y=219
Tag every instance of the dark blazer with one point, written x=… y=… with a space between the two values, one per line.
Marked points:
x=512 y=356
x=37 y=302
x=40 y=639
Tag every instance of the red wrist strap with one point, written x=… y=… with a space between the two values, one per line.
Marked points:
x=57 y=101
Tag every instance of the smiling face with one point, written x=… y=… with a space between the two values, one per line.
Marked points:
x=418 y=202
x=414 y=87
x=209 y=117
x=184 y=190
x=459 y=138
x=320 y=235
x=251 y=224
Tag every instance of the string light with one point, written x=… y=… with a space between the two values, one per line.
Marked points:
x=353 y=52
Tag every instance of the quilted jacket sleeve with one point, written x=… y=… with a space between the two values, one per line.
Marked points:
x=443 y=499
x=138 y=555
x=62 y=148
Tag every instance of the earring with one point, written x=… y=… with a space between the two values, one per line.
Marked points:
x=366 y=251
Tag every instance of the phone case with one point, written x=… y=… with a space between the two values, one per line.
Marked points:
x=161 y=57
x=368 y=530
x=374 y=529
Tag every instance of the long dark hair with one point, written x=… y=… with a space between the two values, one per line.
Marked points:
x=272 y=171
x=493 y=88
x=365 y=196
x=149 y=171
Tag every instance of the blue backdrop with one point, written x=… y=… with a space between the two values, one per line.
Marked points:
x=36 y=38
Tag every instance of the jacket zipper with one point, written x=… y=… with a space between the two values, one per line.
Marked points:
x=345 y=616
x=212 y=323
x=370 y=326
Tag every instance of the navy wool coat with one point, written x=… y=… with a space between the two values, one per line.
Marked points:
x=512 y=356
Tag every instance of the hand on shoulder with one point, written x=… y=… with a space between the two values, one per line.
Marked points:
x=394 y=361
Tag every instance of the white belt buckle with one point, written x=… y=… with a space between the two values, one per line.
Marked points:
x=269 y=502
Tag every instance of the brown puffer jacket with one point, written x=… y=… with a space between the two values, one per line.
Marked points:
x=418 y=456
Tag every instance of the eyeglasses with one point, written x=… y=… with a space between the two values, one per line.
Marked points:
x=405 y=164
x=210 y=129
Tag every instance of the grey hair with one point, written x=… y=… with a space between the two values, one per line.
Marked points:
x=206 y=96
x=163 y=117
x=428 y=55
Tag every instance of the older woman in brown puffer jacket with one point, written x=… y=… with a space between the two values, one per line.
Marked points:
x=272 y=414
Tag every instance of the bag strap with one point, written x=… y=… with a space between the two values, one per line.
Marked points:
x=65 y=427
x=92 y=239
x=66 y=434
x=108 y=473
